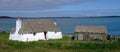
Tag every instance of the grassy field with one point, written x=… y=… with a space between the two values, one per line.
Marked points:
x=61 y=45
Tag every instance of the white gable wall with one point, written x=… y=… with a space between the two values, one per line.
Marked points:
x=18 y=25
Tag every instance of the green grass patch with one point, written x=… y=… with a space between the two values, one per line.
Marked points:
x=66 y=44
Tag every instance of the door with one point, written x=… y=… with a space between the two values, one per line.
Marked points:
x=45 y=35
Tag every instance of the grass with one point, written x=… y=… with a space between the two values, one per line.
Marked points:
x=60 y=45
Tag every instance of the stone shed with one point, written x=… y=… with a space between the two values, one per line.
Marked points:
x=90 y=33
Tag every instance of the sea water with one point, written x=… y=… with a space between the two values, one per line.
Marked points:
x=67 y=25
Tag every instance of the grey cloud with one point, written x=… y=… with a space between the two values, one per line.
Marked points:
x=34 y=4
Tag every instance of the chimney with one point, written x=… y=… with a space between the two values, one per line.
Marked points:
x=18 y=17
x=18 y=25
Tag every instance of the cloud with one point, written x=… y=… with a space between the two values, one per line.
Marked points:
x=35 y=4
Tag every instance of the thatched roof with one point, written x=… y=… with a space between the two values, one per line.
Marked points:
x=91 y=29
x=38 y=25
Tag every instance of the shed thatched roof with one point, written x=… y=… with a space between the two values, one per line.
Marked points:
x=91 y=29
x=38 y=25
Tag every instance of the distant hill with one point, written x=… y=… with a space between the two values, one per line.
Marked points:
x=5 y=17
x=106 y=17
x=59 y=17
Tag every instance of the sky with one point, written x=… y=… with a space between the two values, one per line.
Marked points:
x=59 y=8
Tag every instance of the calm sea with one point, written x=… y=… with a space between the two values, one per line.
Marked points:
x=67 y=25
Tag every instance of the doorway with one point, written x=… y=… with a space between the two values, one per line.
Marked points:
x=34 y=33
x=45 y=35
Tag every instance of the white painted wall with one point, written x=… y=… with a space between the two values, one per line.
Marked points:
x=38 y=36
x=54 y=35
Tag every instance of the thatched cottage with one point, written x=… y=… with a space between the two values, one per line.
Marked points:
x=90 y=33
x=34 y=30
